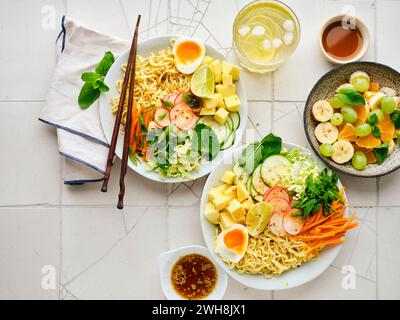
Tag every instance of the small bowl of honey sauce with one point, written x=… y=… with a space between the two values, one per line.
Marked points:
x=344 y=38
x=189 y=273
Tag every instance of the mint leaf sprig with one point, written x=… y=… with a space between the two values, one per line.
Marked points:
x=350 y=96
x=94 y=82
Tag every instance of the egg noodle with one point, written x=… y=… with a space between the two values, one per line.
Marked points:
x=271 y=255
x=155 y=77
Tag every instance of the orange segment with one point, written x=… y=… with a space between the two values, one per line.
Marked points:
x=348 y=133
x=368 y=142
x=387 y=128
x=362 y=114
x=373 y=86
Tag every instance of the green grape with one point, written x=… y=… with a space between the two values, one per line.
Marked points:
x=336 y=103
x=379 y=113
x=363 y=130
x=388 y=105
x=361 y=84
x=337 y=119
x=326 y=150
x=359 y=160
x=349 y=114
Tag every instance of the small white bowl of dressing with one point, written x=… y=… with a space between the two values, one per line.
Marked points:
x=189 y=273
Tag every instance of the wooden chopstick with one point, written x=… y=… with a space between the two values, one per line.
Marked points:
x=117 y=123
x=127 y=135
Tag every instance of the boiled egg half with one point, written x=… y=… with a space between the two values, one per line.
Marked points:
x=188 y=54
x=232 y=243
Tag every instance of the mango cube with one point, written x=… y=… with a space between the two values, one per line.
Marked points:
x=231 y=192
x=247 y=204
x=215 y=101
x=226 y=67
x=221 y=201
x=221 y=115
x=227 y=79
x=208 y=111
x=241 y=191
x=211 y=213
x=228 y=177
x=232 y=103
x=237 y=211
x=225 y=220
x=214 y=193
x=236 y=72
x=207 y=60
x=216 y=68
x=222 y=187
x=225 y=90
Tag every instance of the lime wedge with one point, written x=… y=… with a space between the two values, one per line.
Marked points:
x=258 y=218
x=202 y=82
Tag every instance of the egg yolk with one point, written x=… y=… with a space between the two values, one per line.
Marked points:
x=188 y=51
x=234 y=240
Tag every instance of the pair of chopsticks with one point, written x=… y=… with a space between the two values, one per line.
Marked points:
x=129 y=78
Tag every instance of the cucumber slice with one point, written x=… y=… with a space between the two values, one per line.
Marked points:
x=257 y=182
x=236 y=119
x=220 y=131
x=258 y=198
x=273 y=168
x=229 y=142
x=230 y=123
x=253 y=191
x=248 y=185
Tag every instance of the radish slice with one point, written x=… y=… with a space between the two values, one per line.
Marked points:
x=178 y=98
x=170 y=97
x=279 y=205
x=276 y=224
x=161 y=117
x=276 y=192
x=175 y=111
x=185 y=119
x=293 y=224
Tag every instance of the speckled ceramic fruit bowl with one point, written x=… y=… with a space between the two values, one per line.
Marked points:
x=325 y=88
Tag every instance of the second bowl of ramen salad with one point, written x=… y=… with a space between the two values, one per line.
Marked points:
x=273 y=210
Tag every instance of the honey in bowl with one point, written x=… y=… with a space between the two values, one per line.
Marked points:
x=342 y=43
x=194 y=277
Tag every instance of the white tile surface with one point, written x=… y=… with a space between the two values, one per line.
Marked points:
x=29 y=241
x=28 y=30
x=105 y=253
x=30 y=168
x=388 y=225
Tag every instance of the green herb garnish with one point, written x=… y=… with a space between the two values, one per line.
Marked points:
x=350 y=96
x=373 y=119
x=255 y=153
x=381 y=152
x=319 y=192
x=395 y=116
x=191 y=100
x=94 y=82
x=376 y=132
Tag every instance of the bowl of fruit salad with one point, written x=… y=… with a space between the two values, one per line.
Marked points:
x=352 y=119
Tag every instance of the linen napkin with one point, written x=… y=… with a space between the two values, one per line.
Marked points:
x=81 y=140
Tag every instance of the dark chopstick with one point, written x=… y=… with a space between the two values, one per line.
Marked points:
x=127 y=135
x=117 y=123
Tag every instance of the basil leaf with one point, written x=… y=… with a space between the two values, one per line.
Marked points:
x=191 y=100
x=381 y=152
x=373 y=119
x=271 y=145
x=351 y=96
x=376 y=132
x=395 y=116
x=251 y=157
x=105 y=63
x=90 y=77
x=88 y=95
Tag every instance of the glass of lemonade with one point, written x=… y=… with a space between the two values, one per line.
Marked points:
x=265 y=34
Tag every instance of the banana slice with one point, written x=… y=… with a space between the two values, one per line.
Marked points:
x=345 y=86
x=326 y=132
x=343 y=151
x=358 y=74
x=375 y=100
x=322 y=111
x=397 y=102
x=388 y=91
x=391 y=147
